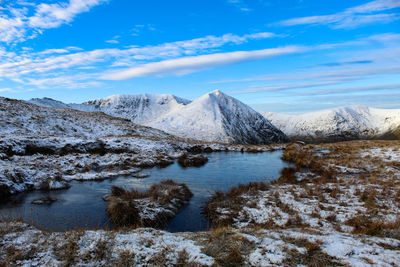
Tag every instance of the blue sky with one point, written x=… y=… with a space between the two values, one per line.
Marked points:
x=284 y=56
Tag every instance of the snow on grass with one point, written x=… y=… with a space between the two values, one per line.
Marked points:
x=24 y=245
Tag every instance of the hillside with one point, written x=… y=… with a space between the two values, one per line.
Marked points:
x=22 y=118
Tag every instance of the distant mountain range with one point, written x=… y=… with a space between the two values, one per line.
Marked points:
x=214 y=117
x=217 y=117
x=339 y=124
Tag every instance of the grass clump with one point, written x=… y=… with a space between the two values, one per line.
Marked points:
x=365 y=225
x=125 y=206
x=231 y=202
x=188 y=160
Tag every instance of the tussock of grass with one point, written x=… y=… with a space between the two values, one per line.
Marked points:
x=227 y=247
x=363 y=224
x=124 y=206
x=188 y=160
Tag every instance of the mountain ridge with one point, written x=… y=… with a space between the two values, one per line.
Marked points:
x=213 y=117
x=339 y=124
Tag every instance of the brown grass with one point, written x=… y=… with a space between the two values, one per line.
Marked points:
x=227 y=247
x=188 y=160
x=314 y=256
x=288 y=176
x=231 y=200
x=123 y=209
x=125 y=259
x=363 y=224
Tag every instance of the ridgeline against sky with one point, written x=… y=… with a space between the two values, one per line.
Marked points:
x=281 y=56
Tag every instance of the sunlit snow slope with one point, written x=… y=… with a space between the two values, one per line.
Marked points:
x=339 y=124
x=218 y=117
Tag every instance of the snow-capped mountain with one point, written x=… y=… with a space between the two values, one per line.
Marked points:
x=339 y=124
x=214 y=117
x=217 y=117
x=137 y=108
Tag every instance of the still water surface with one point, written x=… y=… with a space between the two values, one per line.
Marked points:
x=81 y=206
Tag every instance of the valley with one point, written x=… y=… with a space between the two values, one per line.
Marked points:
x=276 y=203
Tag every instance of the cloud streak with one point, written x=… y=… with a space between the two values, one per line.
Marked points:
x=341 y=90
x=352 y=17
x=187 y=65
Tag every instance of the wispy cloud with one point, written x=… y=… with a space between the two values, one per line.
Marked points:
x=18 y=23
x=112 y=41
x=12 y=65
x=187 y=65
x=348 y=89
x=6 y=90
x=240 y=4
x=284 y=87
x=352 y=17
x=366 y=62
x=41 y=66
x=135 y=31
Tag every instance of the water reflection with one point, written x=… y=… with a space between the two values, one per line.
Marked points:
x=82 y=204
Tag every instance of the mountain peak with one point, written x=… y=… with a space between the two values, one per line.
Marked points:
x=216 y=92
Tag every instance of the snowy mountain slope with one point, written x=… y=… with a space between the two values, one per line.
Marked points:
x=137 y=108
x=339 y=124
x=22 y=118
x=48 y=102
x=216 y=117
x=52 y=103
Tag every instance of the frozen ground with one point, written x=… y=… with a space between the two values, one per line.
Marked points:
x=344 y=197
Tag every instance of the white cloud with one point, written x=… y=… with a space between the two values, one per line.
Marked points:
x=2 y=90
x=352 y=17
x=54 y=51
x=187 y=65
x=112 y=41
x=16 y=25
x=12 y=66
x=240 y=4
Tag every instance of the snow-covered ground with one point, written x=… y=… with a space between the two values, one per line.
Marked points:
x=339 y=124
x=346 y=200
x=24 y=245
x=342 y=208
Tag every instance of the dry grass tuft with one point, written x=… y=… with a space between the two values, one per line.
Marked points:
x=227 y=247
x=188 y=160
x=124 y=210
x=363 y=224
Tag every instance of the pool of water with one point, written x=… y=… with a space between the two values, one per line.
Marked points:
x=81 y=206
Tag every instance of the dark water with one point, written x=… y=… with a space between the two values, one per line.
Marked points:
x=81 y=206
